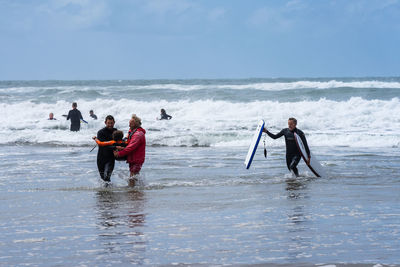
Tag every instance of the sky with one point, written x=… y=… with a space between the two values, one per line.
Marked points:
x=185 y=39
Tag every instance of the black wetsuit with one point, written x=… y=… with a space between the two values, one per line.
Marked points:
x=75 y=116
x=292 y=152
x=165 y=116
x=105 y=155
x=94 y=116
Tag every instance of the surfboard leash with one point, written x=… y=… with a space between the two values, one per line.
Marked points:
x=93 y=148
x=265 y=149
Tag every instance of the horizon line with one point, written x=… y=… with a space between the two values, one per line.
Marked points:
x=222 y=78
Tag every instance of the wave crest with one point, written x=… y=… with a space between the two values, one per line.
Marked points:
x=355 y=122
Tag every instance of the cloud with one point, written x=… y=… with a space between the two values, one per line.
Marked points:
x=271 y=18
x=295 y=4
x=328 y=16
x=46 y=15
x=166 y=7
x=282 y=15
x=74 y=14
x=216 y=14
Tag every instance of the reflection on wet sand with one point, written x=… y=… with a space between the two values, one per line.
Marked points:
x=296 y=187
x=120 y=221
x=298 y=219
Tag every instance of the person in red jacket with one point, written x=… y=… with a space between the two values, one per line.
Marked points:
x=135 y=150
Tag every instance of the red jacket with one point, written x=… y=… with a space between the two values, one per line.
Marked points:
x=136 y=148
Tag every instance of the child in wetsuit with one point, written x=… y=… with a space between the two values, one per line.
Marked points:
x=117 y=141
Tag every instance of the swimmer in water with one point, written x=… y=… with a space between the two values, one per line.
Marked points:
x=164 y=115
x=51 y=117
x=92 y=115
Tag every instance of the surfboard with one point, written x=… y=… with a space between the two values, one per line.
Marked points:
x=314 y=165
x=254 y=144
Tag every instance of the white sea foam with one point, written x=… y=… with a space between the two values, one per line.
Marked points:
x=278 y=86
x=265 y=86
x=355 y=122
x=274 y=86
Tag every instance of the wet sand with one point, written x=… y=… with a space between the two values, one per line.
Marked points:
x=198 y=206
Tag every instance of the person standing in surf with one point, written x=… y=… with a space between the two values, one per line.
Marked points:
x=76 y=116
x=135 y=150
x=105 y=155
x=292 y=152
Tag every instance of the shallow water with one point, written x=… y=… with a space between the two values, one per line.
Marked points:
x=198 y=205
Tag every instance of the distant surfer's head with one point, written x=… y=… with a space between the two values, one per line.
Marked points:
x=51 y=116
x=135 y=122
x=292 y=122
x=91 y=112
x=163 y=111
x=109 y=121
x=117 y=135
x=74 y=105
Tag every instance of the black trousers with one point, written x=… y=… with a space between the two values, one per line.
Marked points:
x=291 y=161
x=106 y=167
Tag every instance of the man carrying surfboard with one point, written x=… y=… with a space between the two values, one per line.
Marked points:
x=292 y=152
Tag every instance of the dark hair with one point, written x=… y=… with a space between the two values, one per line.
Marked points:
x=74 y=104
x=109 y=117
x=91 y=110
x=162 y=110
x=294 y=120
x=117 y=135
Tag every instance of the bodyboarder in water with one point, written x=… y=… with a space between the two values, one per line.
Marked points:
x=105 y=155
x=164 y=115
x=292 y=152
x=92 y=115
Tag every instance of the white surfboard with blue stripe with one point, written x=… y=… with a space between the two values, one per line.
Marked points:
x=254 y=144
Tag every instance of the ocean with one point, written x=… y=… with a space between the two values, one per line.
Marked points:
x=196 y=203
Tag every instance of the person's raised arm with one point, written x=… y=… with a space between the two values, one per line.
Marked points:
x=273 y=136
